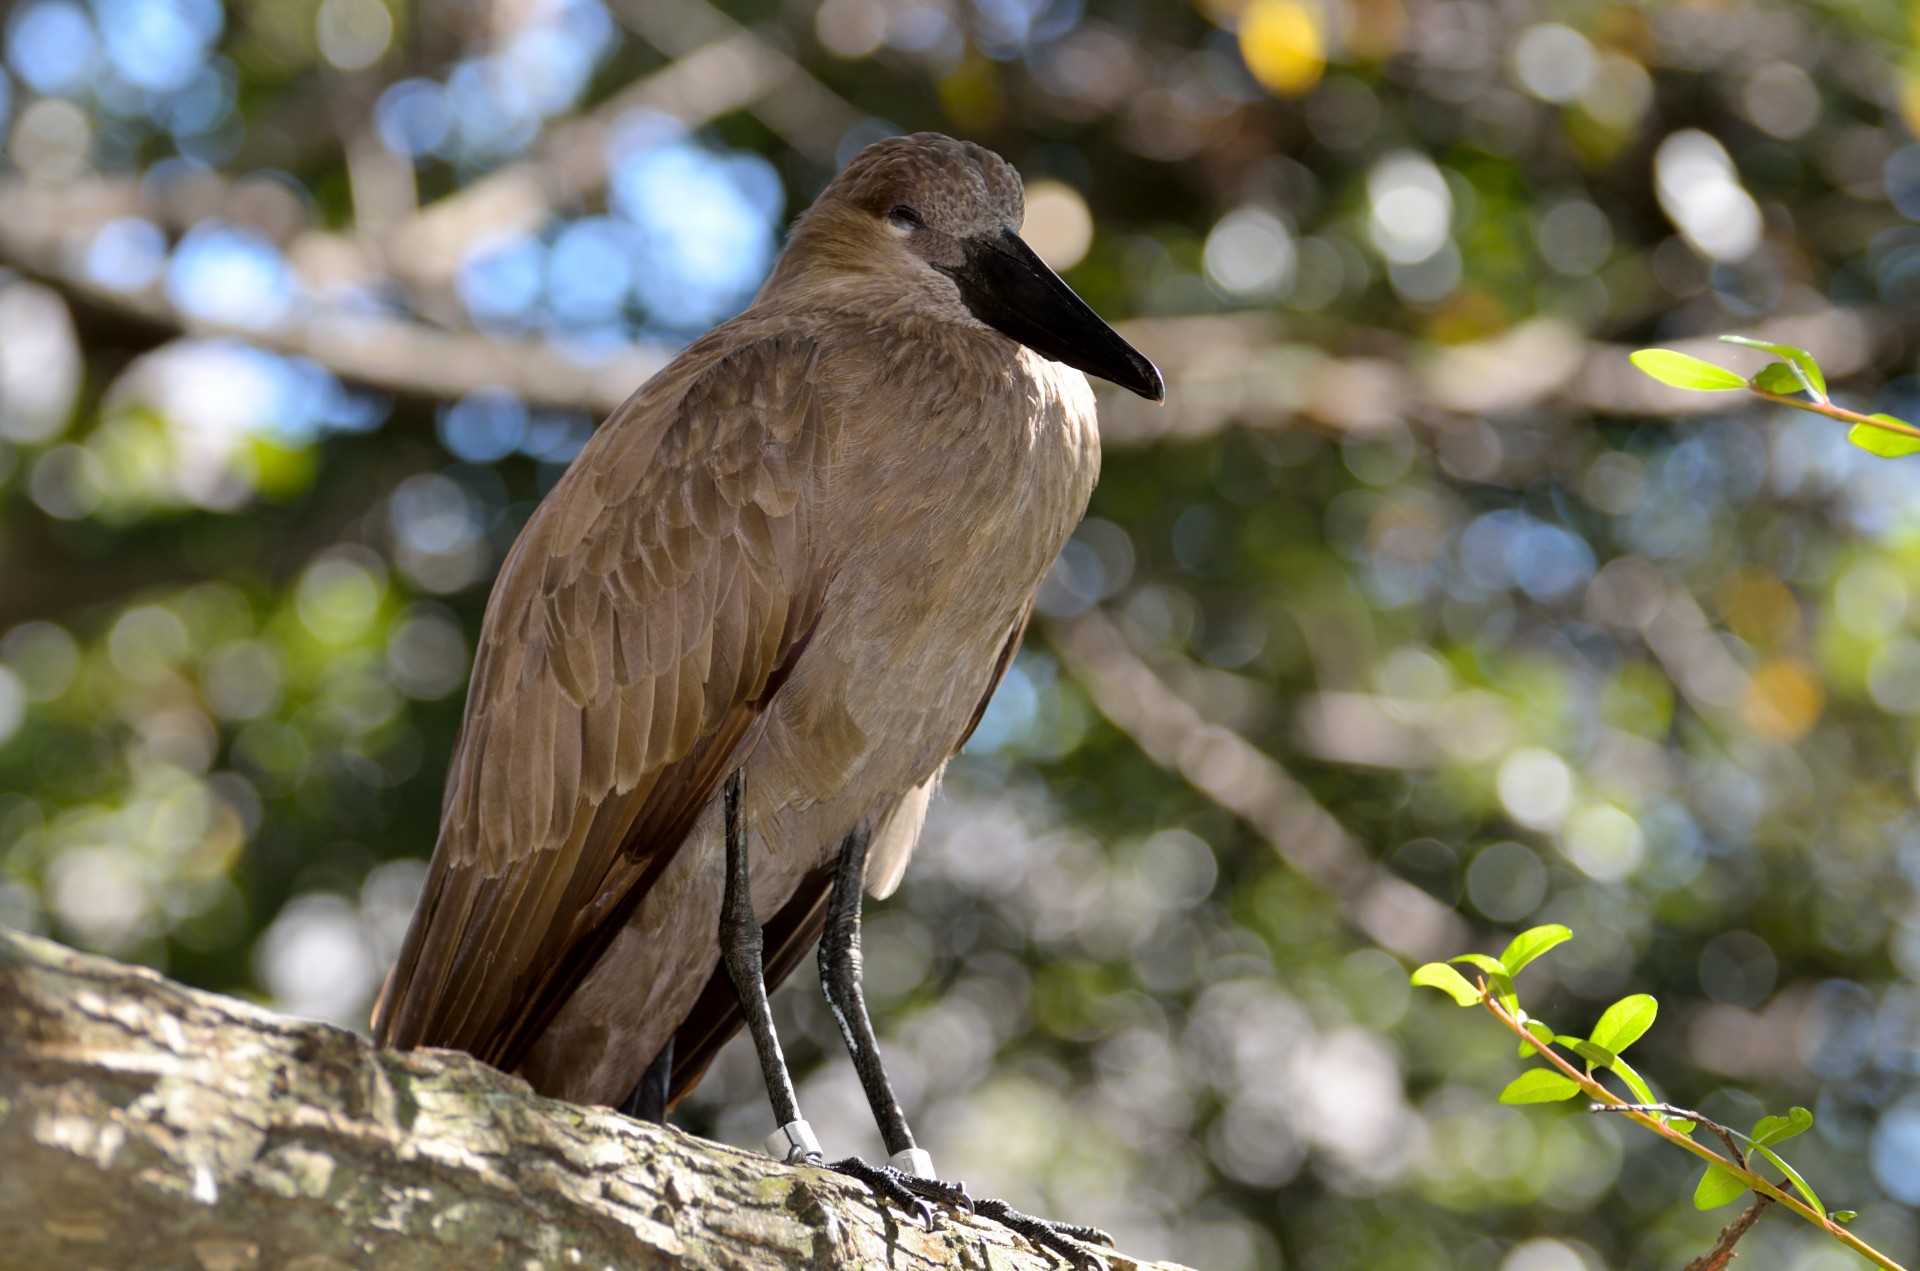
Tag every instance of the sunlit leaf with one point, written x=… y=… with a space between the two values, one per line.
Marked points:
x=1716 y=1188
x=1540 y=1085
x=1778 y=377
x=1779 y=1129
x=1530 y=944
x=1879 y=441
x=1438 y=975
x=1622 y=1023
x=1680 y=371
x=1799 y=357
x=1541 y=1032
x=1844 y=1215
x=1492 y=966
x=1793 y=1175
x=1642 y=1092
x=1498 y=980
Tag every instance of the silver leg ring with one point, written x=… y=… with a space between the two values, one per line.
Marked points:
x=793 y=1143
x=916 y=1161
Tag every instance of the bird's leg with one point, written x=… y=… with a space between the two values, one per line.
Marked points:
x=740 y=948
x=908 y=1165
x=648 y=1102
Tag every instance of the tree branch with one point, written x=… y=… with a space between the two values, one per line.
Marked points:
x=147 y=1124
x=1244 y=780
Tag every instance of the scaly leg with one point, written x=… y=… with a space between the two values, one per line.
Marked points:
x=740 y=950
x=908 y=1166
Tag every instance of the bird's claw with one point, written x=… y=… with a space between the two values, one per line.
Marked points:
x=909 y=1191
x=1066 y=1239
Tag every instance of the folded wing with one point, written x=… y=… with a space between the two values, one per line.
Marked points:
x=642 y=623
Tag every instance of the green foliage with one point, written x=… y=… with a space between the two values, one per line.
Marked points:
x=1530 y=944
x=1880 y=441
x=1880 y=434
x=1438 y=975
x=1717 y=1187
x=1622 y=1024
x=1802 y=370
x=1677 y=370
x=1774 y=1129
x=1540 y=1085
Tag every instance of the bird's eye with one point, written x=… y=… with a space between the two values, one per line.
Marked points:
x=905 y=217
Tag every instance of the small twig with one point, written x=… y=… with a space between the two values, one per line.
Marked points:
x=1841 y=413
x=1716 y=1258
x=1685 y=1114
x=1746 y=1175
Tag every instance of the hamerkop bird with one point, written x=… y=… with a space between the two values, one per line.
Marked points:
x=743 y=635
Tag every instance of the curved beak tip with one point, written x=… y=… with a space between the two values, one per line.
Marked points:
x=1158 y=386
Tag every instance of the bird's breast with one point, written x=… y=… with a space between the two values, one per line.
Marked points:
x=949 y=504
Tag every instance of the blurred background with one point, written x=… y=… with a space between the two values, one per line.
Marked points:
x=1414 y=618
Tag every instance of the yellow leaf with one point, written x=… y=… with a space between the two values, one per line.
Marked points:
x=1283 y=45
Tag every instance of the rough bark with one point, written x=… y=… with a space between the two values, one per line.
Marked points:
x=145 y=1125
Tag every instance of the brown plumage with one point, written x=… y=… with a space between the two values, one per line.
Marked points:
x=805 y=550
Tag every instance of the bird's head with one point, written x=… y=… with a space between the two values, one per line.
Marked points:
x=942 y=218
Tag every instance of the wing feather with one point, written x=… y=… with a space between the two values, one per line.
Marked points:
x=641 y=624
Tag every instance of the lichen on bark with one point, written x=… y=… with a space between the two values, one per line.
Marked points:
x=146 y=1126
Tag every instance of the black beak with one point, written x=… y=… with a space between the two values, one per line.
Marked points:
x=1010 y=289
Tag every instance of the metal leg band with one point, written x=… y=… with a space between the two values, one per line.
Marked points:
x=793 y=1142
x=915 y=1161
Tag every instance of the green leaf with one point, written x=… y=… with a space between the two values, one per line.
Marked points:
x=1680 y=371
x=1816 y=382
x=1540 y=1031
x=1642 y=1092
x=1596 y=1056
x=1878 y=441
x=1679 y=1126
x=1540 y=1085
x=1438 y=975
x=1716 y=1188
x=1530 y=944
x=1844 y=1215
x=1492 y=966
x=1779 y=1129
x=1794 y=1175
x=1778 y=377
x=1622 y=1023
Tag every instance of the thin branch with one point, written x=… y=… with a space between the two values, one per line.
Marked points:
x=1685 y=1114
x=1840 y=413
x=1247 y=782
x=1717 y=1257
x=1600 y=1094
x=37 y=237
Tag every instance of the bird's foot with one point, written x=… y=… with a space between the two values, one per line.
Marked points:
x=913 y=1188
x=909 y=1191
x=912 y=1191
x=1066 y=1239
